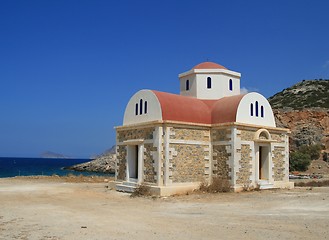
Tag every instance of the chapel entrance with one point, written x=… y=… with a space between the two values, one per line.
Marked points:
x=263 y=162
x=133 y=162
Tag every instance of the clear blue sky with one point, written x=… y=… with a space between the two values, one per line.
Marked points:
x=68 y=68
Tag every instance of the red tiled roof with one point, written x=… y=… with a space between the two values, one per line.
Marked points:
x=188 y=109
x=209 y=65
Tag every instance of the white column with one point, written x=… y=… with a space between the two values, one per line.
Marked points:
x=140 y=164
x=270 y=163
x=166 y=149
x=127 y=163
x=158 y=163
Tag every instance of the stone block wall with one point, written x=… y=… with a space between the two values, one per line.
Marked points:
x=189 y=154
x=187 y=163
x=278 y=160
x=221 y=161
x=245 y=166
x=247 y=135
x=278 y=137
x=220 y=135
x=149 y=163
x=139 y=133
x=121 y=163
x=189 y=134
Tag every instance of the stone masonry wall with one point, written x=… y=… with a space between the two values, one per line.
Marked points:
x=141 y=133
x=189 y=134
x=188 y=162
x=220 y=161
x=279 y=164
x=220 y=135
x=245 y=166
x=149 y=163
x=121 y=162
x=279 y=137
x=247 y=135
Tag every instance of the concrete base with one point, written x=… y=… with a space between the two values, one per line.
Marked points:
x=183 y=188
x=174 y=189
x=179 y=189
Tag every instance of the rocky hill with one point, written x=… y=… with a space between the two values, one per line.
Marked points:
x=104 y=163
x=49 y=154
x=305 y=94
x=304 y=108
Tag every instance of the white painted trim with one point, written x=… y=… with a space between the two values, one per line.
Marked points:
x=158 y=160
x=166 y=145
x=214 y=70
x=188 y=142
x=133 y=142
x=140 y=164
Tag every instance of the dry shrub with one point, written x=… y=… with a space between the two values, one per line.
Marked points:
x=324 y=183
x=141 y=191
x=217 y=185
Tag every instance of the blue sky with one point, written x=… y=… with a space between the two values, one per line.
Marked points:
x=68 y=68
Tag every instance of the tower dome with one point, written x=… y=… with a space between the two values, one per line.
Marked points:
x=208 y=65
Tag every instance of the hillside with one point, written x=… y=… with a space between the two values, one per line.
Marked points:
x=49 y=154
x=305 y=94
x=304 y=109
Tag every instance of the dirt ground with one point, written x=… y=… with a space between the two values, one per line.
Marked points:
x=44 y=208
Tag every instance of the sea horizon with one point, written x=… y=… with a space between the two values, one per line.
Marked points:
x=29 y=166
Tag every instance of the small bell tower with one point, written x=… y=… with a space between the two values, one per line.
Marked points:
x=209 y=81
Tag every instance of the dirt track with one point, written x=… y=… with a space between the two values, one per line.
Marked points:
x=44 y=209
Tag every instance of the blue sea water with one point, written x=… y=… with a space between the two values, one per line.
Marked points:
x=11 y=167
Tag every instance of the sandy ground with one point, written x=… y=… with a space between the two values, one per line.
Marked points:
x=47 y=209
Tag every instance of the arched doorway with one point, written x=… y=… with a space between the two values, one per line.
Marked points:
x=262 y=141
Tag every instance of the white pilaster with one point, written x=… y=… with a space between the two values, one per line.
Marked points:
x=140 y=163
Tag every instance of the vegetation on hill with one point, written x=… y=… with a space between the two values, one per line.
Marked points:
x=300 y=159
x=305 y=94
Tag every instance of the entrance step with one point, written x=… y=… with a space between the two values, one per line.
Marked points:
x=265 y=185
x=126 y=187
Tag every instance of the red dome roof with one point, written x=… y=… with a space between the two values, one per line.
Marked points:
x=183 y=109
x=209 y=65
x=188 y=109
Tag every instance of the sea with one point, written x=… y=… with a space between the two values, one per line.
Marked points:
x=12 y=167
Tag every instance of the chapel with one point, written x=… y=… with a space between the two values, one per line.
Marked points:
x=172 y=142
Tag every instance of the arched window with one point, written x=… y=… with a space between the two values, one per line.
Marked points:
x=256 y=106
x=136 y=109
x=262 y=111
x=141 y=106
x=145 y=107
x=231 y=85
x=187 y=85
x=208 y=82
x=251 y=109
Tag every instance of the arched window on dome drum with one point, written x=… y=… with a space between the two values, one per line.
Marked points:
x=136 y=109
x=187 y=85
x=251 y=109
x=208 y=82
x=256 y=106
x=262 y=111
x=141 y=106
x=145 y=107
x=231 y=85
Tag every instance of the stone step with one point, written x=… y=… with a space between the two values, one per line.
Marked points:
x=132 y=184
x=125 y=188
x=265 y=185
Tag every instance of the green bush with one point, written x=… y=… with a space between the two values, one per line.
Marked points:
x=299 y=161
x=313 y=150
x=325 y=157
